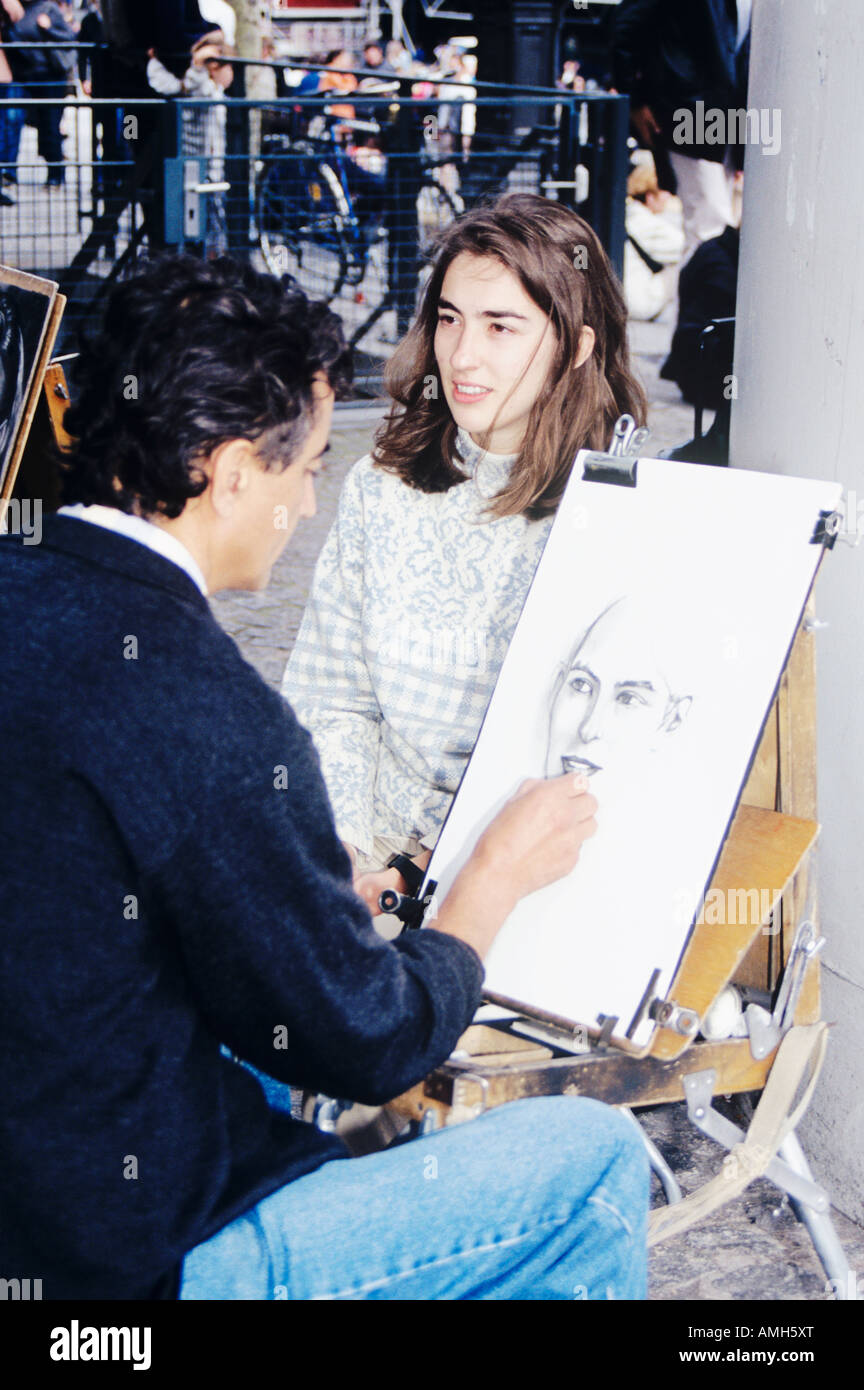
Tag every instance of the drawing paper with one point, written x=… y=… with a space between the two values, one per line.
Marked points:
x=647 y=654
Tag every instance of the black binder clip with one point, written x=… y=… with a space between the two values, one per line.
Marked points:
x=827 y=529
x=618 y=464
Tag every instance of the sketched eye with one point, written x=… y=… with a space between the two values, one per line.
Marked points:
x=629 y=697
x=580 y=684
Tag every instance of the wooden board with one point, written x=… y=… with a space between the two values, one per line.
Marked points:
x=456 y=1090
x=761 y=855
x=783 y=778
x=38 y=475
x=34 y=396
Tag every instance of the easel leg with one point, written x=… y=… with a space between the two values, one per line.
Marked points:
x=825 y=1240
x=658 y=1163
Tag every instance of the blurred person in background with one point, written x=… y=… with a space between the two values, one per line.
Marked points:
x=668 y=56
x=706 y=291
x=571 y=80
x=208 y=76
x=654 y=245
x=339 y=79
x=398 y=58
x=373 y=57
x=44 y=72
x=11 y=117
x=465 y=95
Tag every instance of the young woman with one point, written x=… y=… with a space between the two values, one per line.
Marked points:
x=518 y=359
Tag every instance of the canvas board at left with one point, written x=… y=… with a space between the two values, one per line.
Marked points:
x=26 y=303
x=647 y=655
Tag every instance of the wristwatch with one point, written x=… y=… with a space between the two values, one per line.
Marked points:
x=411 y=872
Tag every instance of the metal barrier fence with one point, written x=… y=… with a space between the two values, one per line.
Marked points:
x=346 y=194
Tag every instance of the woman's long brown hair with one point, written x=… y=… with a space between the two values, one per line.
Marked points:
x=563 y=268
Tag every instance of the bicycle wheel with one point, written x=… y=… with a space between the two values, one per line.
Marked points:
x=300 y=223
x=436 y=210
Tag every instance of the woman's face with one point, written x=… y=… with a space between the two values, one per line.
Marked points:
x=494 y=348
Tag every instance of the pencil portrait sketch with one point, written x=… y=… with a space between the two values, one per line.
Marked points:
x=613 y=704
x=646 y=657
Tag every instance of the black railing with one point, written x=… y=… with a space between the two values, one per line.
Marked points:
x=346 y=192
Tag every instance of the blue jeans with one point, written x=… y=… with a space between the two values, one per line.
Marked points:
x=11 y=123
x=538 y=1199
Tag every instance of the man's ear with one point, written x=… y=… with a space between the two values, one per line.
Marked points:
x=229 y=468
x=676 y=713
x=586 y=346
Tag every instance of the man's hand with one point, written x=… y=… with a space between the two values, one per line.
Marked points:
x=536 y=838
x=533 y=841
x=370 y=886
x=645 y=125
x=14 y=10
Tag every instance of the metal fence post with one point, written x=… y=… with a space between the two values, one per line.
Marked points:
x=565 y=172
x=403 y=189
x=615 y=176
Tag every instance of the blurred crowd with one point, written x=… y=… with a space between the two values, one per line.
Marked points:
x=683 y=201
x=447 y=77
x=175 y=49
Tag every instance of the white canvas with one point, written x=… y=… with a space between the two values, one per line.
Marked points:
x=648 y=653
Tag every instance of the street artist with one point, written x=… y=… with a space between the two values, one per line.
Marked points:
x=178 y=912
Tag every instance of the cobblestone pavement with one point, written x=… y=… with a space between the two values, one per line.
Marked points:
x=752 y=1249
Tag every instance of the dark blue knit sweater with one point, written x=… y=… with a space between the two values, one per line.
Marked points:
x=170 y=880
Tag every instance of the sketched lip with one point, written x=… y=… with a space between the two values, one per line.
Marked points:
x=571 y=763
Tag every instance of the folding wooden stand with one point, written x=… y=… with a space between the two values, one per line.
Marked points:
x=29 y=464
x=767 y=848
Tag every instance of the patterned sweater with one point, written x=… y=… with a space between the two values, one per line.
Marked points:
x=413 y=604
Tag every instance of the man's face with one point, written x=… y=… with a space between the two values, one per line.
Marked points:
x=613 y=705
x=373 y=55
x=276 y=501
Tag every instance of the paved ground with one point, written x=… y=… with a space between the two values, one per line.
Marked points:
x=752 y=1249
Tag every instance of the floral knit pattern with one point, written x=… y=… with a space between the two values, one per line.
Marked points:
x=413 y=604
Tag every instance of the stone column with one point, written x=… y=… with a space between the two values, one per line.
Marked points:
x=799 y=365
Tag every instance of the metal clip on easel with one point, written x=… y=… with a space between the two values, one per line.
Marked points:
x=766 y=1029
x=627 y=439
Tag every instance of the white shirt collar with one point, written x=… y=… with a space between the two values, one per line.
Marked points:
x=145 y=532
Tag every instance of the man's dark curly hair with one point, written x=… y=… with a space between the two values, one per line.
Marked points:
x=190 y=354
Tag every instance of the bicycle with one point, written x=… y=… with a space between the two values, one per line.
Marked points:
x=319 y=213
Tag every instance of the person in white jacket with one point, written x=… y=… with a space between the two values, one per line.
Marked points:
x=654 y=245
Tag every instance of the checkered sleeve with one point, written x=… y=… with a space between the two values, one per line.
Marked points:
x=327 y=681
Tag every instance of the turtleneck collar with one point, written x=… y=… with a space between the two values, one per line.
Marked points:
x=489 y=471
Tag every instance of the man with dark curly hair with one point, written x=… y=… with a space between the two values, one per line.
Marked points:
x=180 y=932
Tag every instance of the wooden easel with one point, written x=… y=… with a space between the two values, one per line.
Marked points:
x=43 y=408
x=767 y=847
